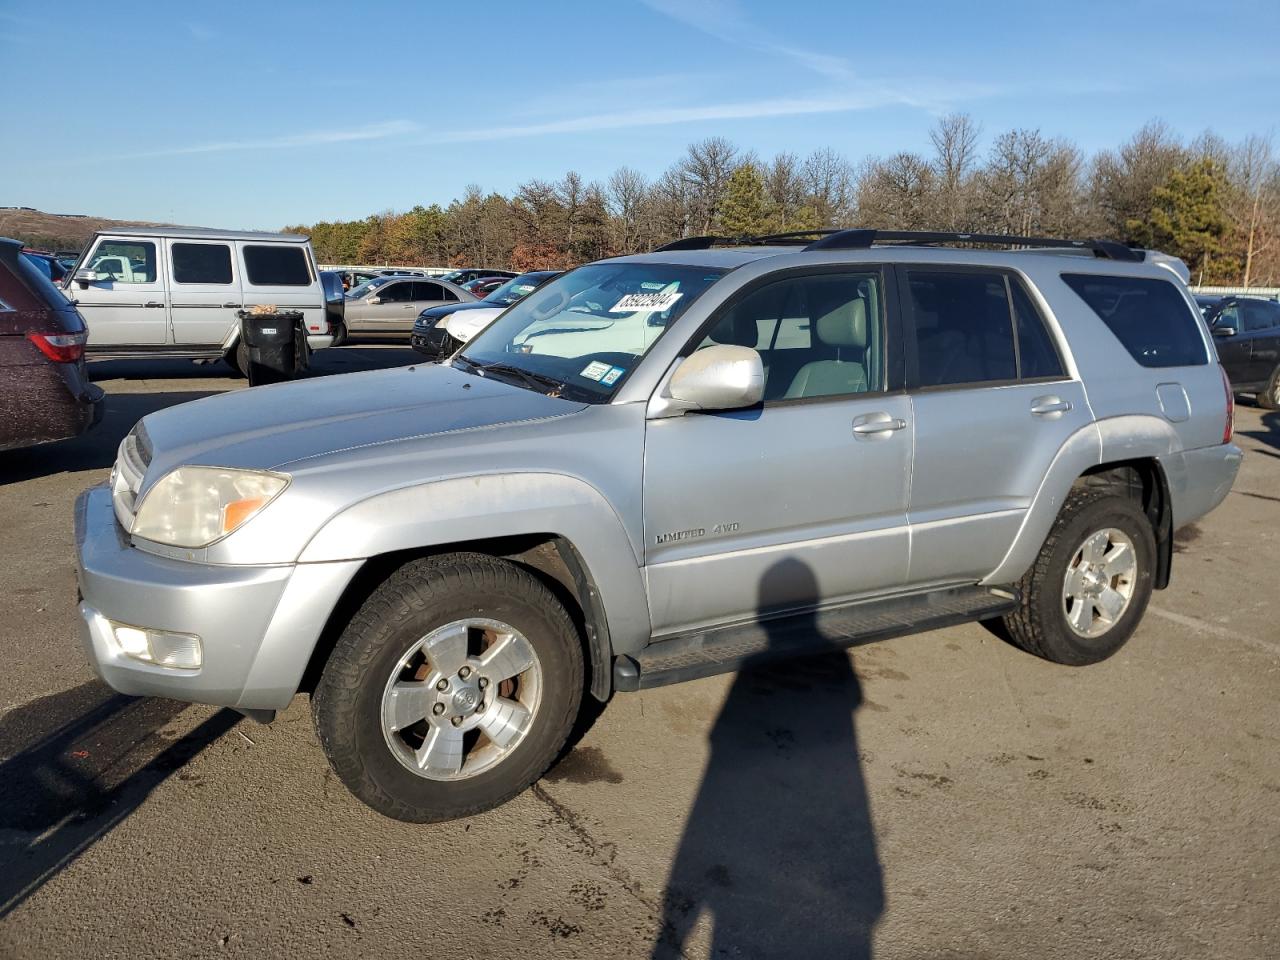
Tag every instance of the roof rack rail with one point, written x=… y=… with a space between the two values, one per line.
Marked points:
x=863 y=239
x=692 y=243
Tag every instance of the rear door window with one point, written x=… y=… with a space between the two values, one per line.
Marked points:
x=963 y=327
x=1259 y=315
x=1037 y=356
x=276 y=266
x=1149 y=317
x=201 y=263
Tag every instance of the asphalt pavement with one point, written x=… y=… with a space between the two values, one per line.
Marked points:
x=938 y=796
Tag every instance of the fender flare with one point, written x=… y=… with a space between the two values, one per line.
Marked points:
x=466 y=509
x=1111 y=440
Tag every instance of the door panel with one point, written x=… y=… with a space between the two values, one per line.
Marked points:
x=204 y=291
x=728 y=496
x=127 y=305
x=980 y=457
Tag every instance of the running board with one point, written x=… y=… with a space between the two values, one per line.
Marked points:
x=706 y=653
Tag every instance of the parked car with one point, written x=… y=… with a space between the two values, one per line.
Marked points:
x=391 y=304
x=335 y=299
x=657 y=468
x=431 y=335
x=45 y=393
x=1247 y=330
x=473 y=273
x=47 y=264
x=176 y=291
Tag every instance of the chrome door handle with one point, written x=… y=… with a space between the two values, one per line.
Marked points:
x=875 y=424
x=1049 y=406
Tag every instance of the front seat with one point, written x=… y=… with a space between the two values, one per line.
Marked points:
x=845 y=328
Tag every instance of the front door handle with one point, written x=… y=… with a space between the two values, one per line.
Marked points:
x=878 y=424
x=153 y=303
x=232 y=305
x=1050 y=407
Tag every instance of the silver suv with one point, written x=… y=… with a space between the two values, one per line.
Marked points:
x=657 y=468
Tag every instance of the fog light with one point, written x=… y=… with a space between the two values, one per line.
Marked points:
x=161 y=647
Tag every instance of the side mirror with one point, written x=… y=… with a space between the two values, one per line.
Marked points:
x=720 y=377
x=374 y=300
x=85 y=276
x=1224 y=331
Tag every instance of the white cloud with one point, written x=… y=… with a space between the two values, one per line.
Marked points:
x=377 y=131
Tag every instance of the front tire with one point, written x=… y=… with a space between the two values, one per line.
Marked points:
x=1086 y=593
x=451 y=690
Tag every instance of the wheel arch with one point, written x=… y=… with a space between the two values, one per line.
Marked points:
x=1127 y=453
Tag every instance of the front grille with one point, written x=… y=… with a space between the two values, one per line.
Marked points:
x=132 y=461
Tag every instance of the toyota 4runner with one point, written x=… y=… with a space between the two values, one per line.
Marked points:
x=657 y=468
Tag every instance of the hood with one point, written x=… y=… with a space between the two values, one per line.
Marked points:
x=435 y=313
x=269 y=427
x=464 y=328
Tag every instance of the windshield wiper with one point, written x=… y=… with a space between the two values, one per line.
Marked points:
x=539 y=381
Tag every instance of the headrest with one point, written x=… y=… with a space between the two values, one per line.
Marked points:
x=845 y=325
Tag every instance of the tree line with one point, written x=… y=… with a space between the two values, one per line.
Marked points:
x=1214 y=204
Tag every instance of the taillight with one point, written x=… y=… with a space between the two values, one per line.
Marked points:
x=1230 y=427
x=60 y=347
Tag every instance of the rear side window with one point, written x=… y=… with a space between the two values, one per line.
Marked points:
x=1150 y=317
x=276 y=266
x=201 y=263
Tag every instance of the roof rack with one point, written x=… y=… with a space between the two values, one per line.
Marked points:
x=863 y=239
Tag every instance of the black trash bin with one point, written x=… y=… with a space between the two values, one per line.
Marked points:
x=277 y=345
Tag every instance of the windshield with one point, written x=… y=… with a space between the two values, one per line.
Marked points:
x=583 y=333
x=367 y=287
x=514 y=290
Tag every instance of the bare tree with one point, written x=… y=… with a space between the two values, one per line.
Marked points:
x=626 y=194
x=897 y=193
x=955 y=144
x=1254 y=202
x=829 y=183
x=1122 y=181
x=705 y=170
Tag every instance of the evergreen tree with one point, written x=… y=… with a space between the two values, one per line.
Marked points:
x=742 y=211
x=1188 y=216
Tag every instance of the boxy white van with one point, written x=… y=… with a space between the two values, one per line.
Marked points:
x=175 y=291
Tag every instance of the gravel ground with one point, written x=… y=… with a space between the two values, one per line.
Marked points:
x=939 y=796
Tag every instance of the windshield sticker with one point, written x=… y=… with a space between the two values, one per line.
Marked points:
x=652 y=285
x=646 y=303
x=610 y=378
x=595 y=370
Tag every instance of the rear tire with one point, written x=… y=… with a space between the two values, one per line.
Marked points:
x=339 y=334
x=385 y=671
x=1269 y=397
x=1077 y=606
x=238 y=358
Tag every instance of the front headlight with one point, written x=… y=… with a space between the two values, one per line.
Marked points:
x=194 y=506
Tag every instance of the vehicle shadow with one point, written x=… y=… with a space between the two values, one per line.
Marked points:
x=96 y=449
x=76 y=765
x=779 y=849
x=1269 y=434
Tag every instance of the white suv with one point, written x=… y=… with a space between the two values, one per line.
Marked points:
x=175 y=291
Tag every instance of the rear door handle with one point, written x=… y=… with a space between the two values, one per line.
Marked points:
x=878 y=424
x=232 y=304
x=1049 y=406
x=153 y=303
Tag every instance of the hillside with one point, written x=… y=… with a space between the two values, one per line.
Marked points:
x=54 y=231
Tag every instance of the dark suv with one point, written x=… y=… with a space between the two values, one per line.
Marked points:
x=1247 y=330
x=45 y=393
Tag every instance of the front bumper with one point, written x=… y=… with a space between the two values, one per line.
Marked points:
x=258 y=625
x=432 y=342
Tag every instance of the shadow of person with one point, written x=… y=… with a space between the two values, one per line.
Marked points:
x=779 y=851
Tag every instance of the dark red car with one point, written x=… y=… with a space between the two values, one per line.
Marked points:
x=45 y=393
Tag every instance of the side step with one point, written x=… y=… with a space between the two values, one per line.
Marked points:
x=706 y=653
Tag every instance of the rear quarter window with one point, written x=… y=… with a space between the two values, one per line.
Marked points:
x=271 y=266
x=1150 y=317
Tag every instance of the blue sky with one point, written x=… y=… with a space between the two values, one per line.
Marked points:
x=266 y=113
